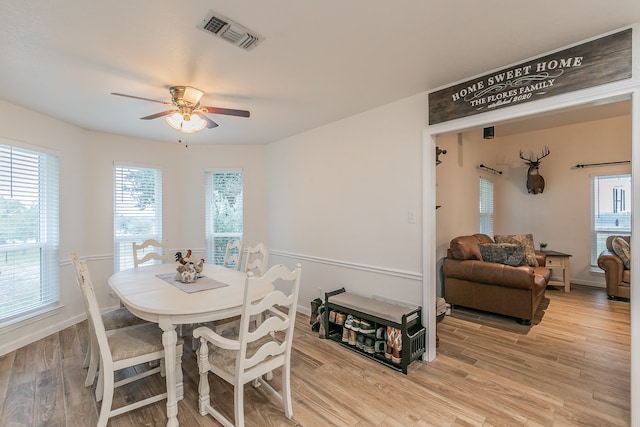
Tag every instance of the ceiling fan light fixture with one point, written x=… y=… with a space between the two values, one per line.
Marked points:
x=179 y=122
x=192 y=95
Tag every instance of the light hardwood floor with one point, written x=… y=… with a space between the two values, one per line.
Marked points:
x=571 y=367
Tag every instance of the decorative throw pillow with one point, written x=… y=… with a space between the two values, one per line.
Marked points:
x=503 y=253
x=621 y=248
x=525 y=240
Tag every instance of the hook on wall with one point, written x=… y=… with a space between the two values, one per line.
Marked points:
x=438 y=152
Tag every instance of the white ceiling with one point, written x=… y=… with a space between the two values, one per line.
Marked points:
x=320 y=61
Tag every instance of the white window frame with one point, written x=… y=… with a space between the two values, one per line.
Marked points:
x=216 y=240
x=599 y=234
x=29 y=176
x=486 y=206
x=123 y=204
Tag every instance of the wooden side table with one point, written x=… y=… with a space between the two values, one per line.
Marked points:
x=559 y=261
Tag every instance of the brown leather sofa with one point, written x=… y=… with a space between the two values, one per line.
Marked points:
x=471 y=282
x=617 y=278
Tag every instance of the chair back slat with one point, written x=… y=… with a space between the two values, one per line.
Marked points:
x=272 y=324
x=267 y=351
x=142 y=255
x=276 y=297
x=257 y=259
x=233 y=254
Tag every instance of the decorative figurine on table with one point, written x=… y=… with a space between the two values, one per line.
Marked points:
x=183 y=260
x=189 y=274
x=187 y=264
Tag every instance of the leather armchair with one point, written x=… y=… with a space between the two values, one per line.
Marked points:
x=617 y=278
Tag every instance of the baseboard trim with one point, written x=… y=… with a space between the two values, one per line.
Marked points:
x=589 y=283
x=40 y=334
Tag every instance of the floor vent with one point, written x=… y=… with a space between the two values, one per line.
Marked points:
x=226 y=29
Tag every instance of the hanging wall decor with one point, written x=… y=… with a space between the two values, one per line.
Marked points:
x=535 y=181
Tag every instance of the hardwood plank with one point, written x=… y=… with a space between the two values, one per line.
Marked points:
x=24 y=365
x=82 y=332
x=73 y=375
x=6 y=368
x=49 y=399
x=18 y=407
x=82 y=415
x=69 y=343
x=48 y=356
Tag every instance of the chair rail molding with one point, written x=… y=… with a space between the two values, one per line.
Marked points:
x=352 y=265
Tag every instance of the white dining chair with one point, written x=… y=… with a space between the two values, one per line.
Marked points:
x=233 y=254
x=150 y=249
x=256 y=351
x=122 y=348
x=256 y=263
x=115 y=319
x=257 y=259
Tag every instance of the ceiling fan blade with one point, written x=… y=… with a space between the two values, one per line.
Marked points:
x=225 y=111
x=155 y=116
x=210 y=123
x=143 y=99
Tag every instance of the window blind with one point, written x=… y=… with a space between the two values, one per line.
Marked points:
x=224 y=212
x=610 y=212
x=29 y=232
x=486 y=207
x=137 y=209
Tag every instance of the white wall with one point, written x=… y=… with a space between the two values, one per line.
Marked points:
x=86 y=200
x=457 y=191
x=339 y=199
x=561 y=215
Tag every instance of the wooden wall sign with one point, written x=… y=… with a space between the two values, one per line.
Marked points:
x=599 y=61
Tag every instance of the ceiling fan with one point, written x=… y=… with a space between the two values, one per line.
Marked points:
x=187 y=115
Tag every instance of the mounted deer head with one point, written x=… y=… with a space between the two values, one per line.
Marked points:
x=535 y=182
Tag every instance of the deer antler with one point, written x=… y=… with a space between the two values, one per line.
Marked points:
x=526 y=160
x=545 y=153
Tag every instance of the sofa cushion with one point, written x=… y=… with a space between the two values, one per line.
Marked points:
x=523 y=239
x=612 y=237
x=466 y=247
x=621 y=248
x=503 y=253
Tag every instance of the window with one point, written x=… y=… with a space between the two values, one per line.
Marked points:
x=223 y=212
x=29 y=237
x=137 y=211
x=486 y=207
x=611 y=210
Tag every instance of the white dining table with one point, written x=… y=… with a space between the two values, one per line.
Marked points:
x=154 y=299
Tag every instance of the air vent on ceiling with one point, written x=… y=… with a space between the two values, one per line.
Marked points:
x=226 y=29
